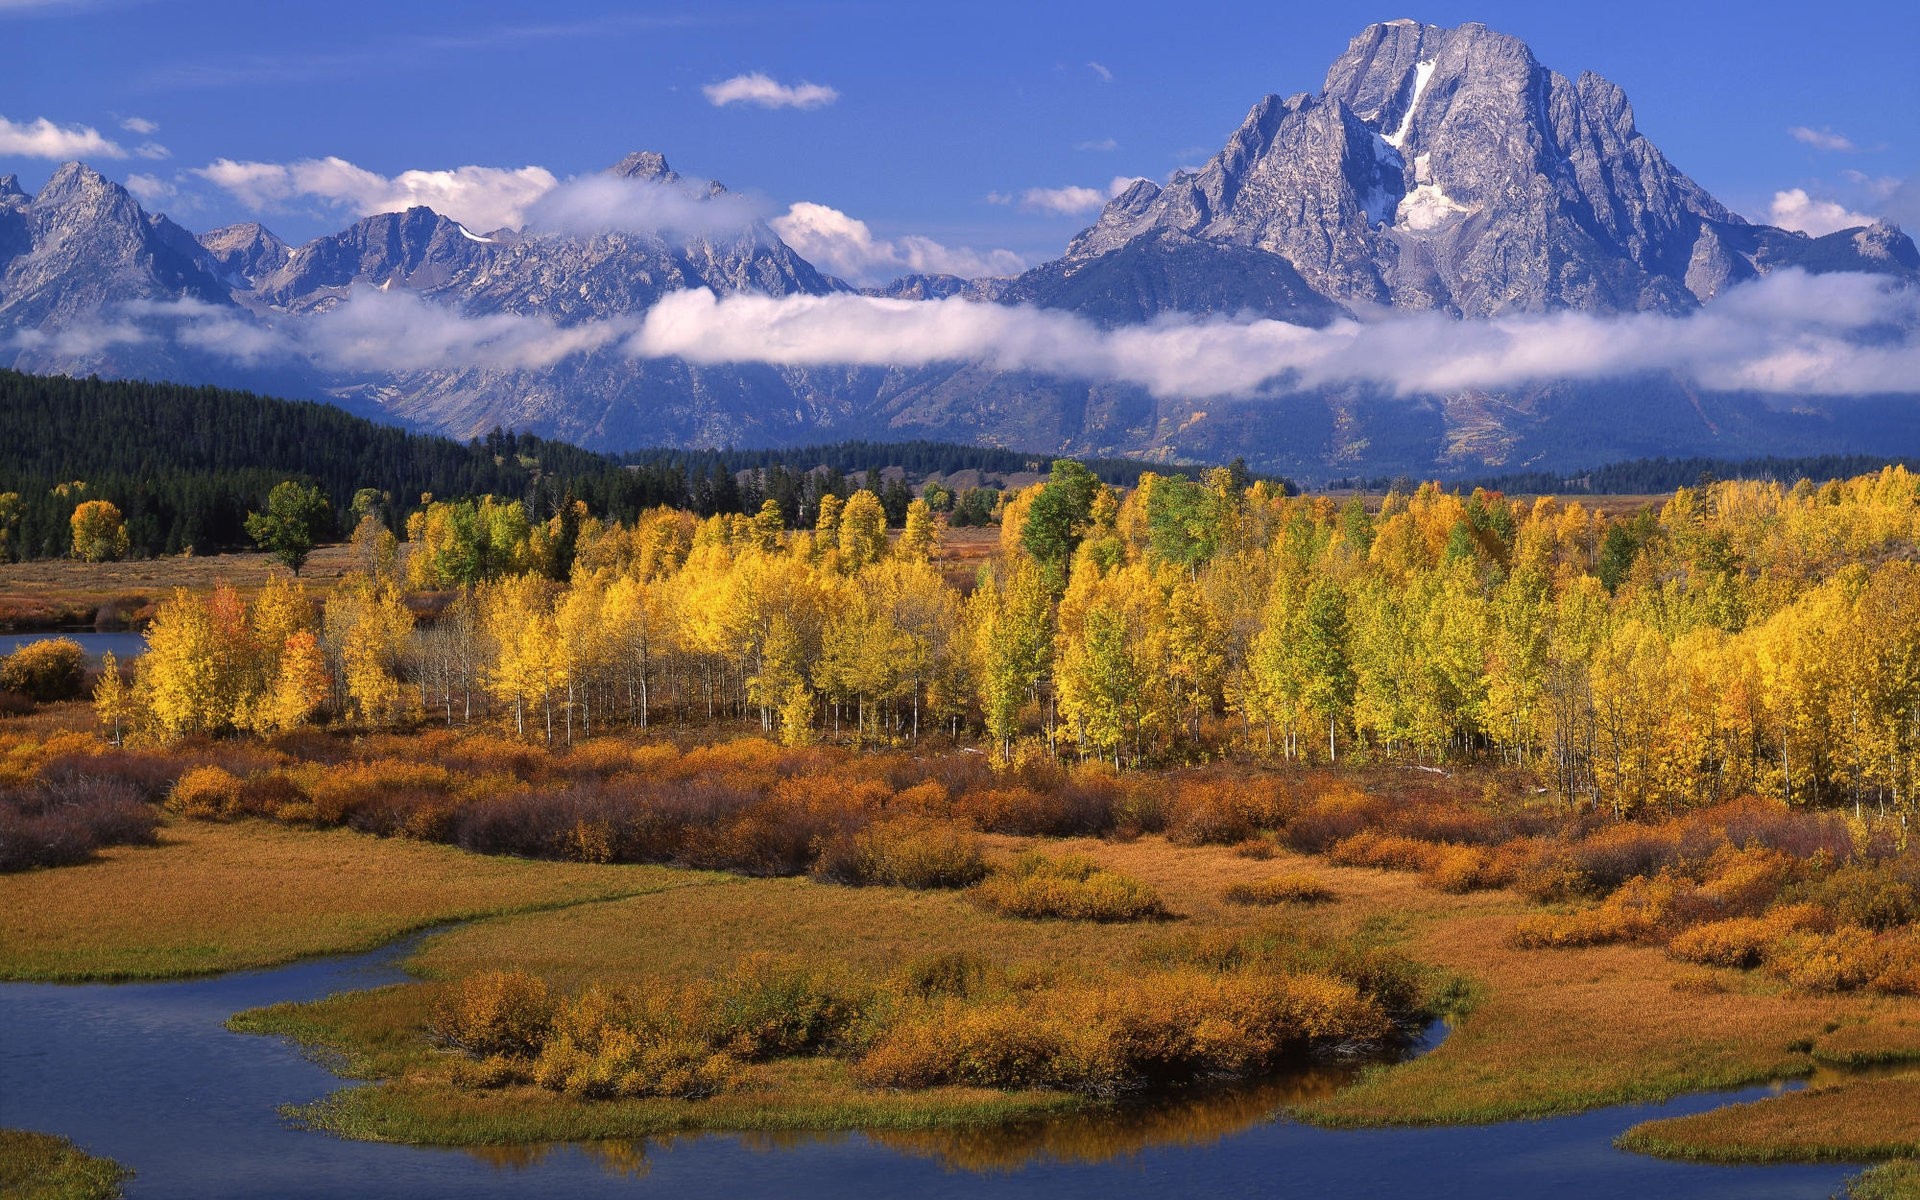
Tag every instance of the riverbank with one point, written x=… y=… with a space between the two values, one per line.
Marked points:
x=40 y=1166
x=1533 y=1033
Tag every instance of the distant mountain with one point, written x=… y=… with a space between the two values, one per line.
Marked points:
x=1447 y=169
x=1437 y=170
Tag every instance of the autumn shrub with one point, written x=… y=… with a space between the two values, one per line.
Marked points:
x=1635 y=912
x=633 y=1043
x=1073 y=888
x=494 y=1013
x=362 y=794
x=1209 y=815
x=1456 y=824
x=54 y=669
x=1337 y=813
x=1838 y=961
x=1394 y=852
x=208 y=793
x=1864 y=894
x=1111 y=1038
x=1459 y=869
x=1140 y=807
x=1064 y=811
x=1613 y=854
x=772 y=1007
x=1551 y=877
x=1746 y=881
x=65 y=820
x=1801 y=833
x=1899 y=973
x=1291 y=888
x=905 y=851
x=773 y=837
x=1742 y=941
x=150 y=775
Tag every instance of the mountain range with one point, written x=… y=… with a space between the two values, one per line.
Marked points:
x=1443 y=172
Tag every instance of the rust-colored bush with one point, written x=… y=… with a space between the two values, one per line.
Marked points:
x=1862 y=894
x=1733 y=942
x=1338 y=812
x=1635 y=912
x=63 y=820
x=1394 y=852
x=906 y=851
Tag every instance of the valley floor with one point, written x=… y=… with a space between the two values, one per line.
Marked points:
x=1533 y=1032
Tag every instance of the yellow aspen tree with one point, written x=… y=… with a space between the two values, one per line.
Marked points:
x=115 y=704
x=99 y=532
x=863 y=531
x=920 y=540
x=179 y=675
x=300 y=685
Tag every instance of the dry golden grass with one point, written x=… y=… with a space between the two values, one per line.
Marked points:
x=222 y=897
x=1869 y=1118
x=67 y=592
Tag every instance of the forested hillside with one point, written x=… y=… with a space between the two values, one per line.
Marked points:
x=186 y=464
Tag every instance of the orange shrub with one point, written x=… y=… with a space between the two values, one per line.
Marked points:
x=1899 y=973
x=207 y=793
x=1839 y=961
x=1370 y=848
x=1291 y=888
x=1072 y=888
x=1110 y=1038
x=1634 y=913
x=494 y=1012
x=905 y=851
x=1747 y=881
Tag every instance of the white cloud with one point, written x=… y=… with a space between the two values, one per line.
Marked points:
x=999 y=197
x=141 y=126
x=845 y=246
x=1787 y=333
x=482 y=198
x=41 y=138
x=767 y=92
x=150 y=190
x=153 y=150
x=1102 y=145
x=1821 y=139
x=1795 y=209
x=1070 y=201
x=596 y=204
x=1106 y=76
x=1064 y=201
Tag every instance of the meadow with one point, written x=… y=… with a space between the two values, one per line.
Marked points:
x=662 y=934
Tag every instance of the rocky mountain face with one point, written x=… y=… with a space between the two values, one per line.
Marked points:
x=1440 y=170
x=1447 y=169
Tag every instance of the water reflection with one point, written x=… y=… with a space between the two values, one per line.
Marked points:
x=145 y=1073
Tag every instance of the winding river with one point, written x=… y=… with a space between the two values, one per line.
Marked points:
x=148 y=1075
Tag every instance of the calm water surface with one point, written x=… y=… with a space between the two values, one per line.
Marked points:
x=146 y=1074
x=125 y=646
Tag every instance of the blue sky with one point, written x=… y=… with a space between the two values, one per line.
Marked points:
x=959 y=124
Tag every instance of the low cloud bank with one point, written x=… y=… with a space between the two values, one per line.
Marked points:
x=1789 y=333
